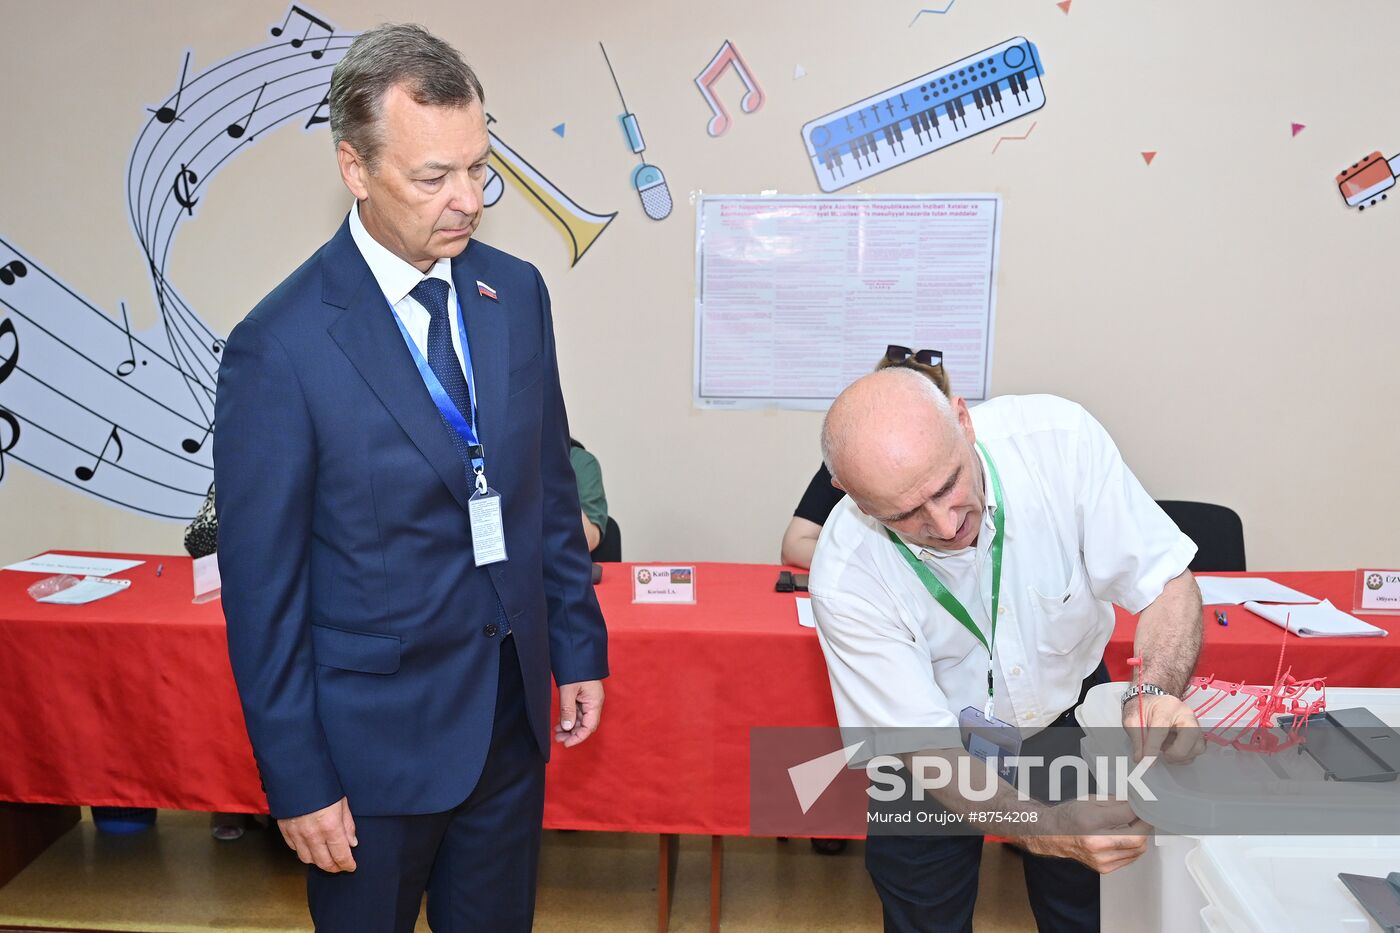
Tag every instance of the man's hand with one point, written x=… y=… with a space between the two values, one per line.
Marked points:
x=1084 y=821
x=580 y=709
x=323 y=838
x=1172 y=731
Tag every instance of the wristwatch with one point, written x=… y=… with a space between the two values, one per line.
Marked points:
x=1151 y=689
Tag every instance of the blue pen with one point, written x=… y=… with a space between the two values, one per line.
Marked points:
x=160 y=568
x=1221 y=618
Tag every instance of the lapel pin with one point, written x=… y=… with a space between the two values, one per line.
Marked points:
x=486 y=291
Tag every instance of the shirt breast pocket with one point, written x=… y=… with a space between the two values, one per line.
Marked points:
x=1064 y=614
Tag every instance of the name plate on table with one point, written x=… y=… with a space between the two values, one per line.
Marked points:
x=663 y=584
x=1377 y=591
x=207 y=583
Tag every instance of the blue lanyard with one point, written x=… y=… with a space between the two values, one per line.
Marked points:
x=445 y=406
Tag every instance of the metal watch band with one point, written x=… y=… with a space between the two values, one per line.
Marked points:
x=1151 y=689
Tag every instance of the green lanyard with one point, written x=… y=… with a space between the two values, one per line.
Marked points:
x=950 y=602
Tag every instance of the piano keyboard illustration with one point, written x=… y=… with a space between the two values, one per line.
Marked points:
x=920 y=116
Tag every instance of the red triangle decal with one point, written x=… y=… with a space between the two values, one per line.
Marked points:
x=1064 y=5
x=1149 y=156
x=1298 y=128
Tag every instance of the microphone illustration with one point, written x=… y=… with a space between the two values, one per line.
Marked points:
x=647 y=179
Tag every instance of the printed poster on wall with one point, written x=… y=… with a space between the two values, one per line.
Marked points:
x=796 y=297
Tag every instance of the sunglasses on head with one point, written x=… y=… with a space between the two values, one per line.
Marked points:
x=896 y=355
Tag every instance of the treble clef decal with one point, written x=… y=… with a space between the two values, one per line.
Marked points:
x=92 y=373
x=7 y=443
x=8 y=362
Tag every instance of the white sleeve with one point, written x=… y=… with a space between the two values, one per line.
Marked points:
x=1131 y=548
x=881 y=674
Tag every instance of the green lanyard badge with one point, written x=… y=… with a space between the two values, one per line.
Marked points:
x=950 y=602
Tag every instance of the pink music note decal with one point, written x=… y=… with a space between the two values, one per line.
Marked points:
x=705 y=81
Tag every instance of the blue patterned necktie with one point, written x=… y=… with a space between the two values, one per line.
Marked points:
x=432 y=294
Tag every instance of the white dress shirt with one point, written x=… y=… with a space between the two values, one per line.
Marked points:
x=397 y=278
x=1081 y=535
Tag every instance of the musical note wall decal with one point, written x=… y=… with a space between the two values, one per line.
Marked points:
x=752 y=100
x=9 y=438
x=86 y=370
x=11 y=272
x=169 y=113
x=316 y=115
x=311 y=23
x=192 y=446
x=8 y=361
x=128 y=366
x=87 y=473
x=236 y=130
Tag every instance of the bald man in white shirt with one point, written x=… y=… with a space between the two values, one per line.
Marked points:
x=1029 y=492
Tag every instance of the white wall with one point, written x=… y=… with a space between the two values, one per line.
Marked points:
x=1220 y=311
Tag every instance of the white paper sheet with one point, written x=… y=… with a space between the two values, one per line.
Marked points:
x=87 y=590
x=208 y=584
x=804 y=613
x=1320 y=620
x=74 y=564
x=796 y=297
x=1234 y=591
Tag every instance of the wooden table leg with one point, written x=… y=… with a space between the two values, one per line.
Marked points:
x=666 y=879
x=716 y=880
x=27 y=830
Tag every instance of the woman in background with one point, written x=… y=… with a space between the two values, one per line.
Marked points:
x=591 y=499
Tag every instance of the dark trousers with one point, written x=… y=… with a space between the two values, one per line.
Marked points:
x=928 y=884
x=478 y=861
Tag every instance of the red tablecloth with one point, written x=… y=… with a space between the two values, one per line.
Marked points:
x=130 y=701
x=1248 y=648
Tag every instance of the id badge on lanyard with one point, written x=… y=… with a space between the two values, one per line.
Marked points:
x=484 y=507
x=488 y=532
x=988 y=737
x=983 y=735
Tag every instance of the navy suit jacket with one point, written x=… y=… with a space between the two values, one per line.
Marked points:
x=363 y=638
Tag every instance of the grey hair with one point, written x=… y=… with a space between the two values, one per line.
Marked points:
x=917 y=381
x=431 y=71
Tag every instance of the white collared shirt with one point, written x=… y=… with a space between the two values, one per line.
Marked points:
x=397 y=278
x=1081 y=535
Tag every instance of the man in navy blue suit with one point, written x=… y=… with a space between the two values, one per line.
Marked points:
x=403 y=566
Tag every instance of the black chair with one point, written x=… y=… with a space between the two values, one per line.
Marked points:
x=1217 y=531
x=609 y=549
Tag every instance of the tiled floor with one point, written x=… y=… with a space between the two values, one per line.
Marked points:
x=177 y=879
